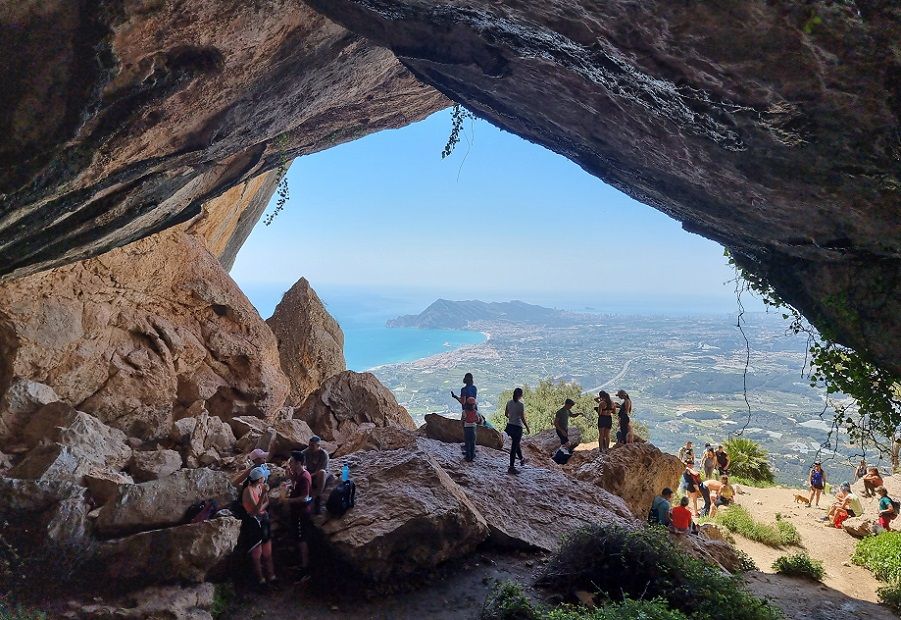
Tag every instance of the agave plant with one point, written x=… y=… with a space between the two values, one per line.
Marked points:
x=748 y=460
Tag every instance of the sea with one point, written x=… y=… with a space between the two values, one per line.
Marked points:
x=362 y=314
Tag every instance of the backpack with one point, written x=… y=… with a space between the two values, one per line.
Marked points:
x=561 y=456
x=471 y=416
x=201 y=511
x=342 y=498
x=897 y=506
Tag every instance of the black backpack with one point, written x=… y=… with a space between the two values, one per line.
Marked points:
x=897 y=506
x=342 y=498
x=561 y=456
x=201 y=511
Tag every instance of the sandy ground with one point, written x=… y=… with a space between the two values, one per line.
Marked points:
x=847 y=590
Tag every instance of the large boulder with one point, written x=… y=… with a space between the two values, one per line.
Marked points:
x=154 y=464
x=409 y=517
x=183 y=553
x=310 y=341
x=717 y=552
x=21 y=399
x=450 y=430
x=531 y=510
x=162 y=503
x=541 y=446
x=279 y=436
x=635 y=472
x=368 y=436
x=891 y=483
x=348 y=399
x=135 y=337
x=203 y=439
x=859 y=527
x=153 y=603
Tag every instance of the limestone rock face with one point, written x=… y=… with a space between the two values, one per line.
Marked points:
x=450 y=430
x=182 y=553
x=734 y=119
x=185 y=101
x=409 y=516
x=348 y=399
x=154 y=464
x=635 y=472
x=368 y=436
x=21 y=399
x=530 y=510
x=141 y=333
x=157 y=602
x=163 y=502
x=310 y=341
x=858 y=527
x=717 y=552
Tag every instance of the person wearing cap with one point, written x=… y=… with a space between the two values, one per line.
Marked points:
x=255 y=527
x=300 y=502
x=817 y=481
x=257 y=458
x=561 y=420
x=316 y=460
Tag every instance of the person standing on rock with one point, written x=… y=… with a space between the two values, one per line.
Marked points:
x=316 y=460
x=468 y=390
x=561 y=420
x=471 y=420
x=817 y=481
x=515 y=412
x=605 y=411
x=624 y=434
x=255 y=527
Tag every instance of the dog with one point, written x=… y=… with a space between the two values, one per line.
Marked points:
x=802 y=499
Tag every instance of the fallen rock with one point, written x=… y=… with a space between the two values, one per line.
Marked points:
x=711 y=531
x=35 y=496
x=409 y=517
x=541 y=446
x=154 y=603
x=103 y=485
x=66 y=523
x=21 y=399
x=717 y=552
x=348 y=399
x=163 y=502
x=636 y=472
x=154 y=464
x=530 y=510
x=136 y=336
x=858 y=527
x=450 y=430
x=310 y=341
x=368 y=436
x=203 y=439
x=182 y=553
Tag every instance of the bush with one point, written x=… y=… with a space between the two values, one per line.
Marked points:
x=882 y=555
x=748 y=460
x=223 y=600
x=17 y=612
x=738 y=520
x=799 y=565
x=627 y=609
x=759 y=484
x=620 y=563
x=543 y=401
x=746 y=563
x=890 y=596
x=508 y=602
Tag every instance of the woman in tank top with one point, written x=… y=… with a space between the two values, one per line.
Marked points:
x=624 y=435
x=516 y=421
x=605 y=411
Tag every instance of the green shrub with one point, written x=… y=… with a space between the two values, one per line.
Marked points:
x=738 y=520
x=223 y=600
x=508 y=602
x=627 y=609
x=748 y=461
x=17 y=612
x=890 y=596
x=799 y=565
x=746 y=563
x=747 y=482
x=882 y=555
x=620 y=563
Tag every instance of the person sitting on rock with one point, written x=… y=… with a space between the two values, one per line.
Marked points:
x=886 y=509
x=255 y=527
x=839 y=503
x=871 y=481
x=660 y=508
x=257 y=458
x=726 y=493
x=300 y=501
x=861 y=470
x=846 y=504
x=681 y=517
x=316 y=460
x=561 y=420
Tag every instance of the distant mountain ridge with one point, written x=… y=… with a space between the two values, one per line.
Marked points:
x=448 y=314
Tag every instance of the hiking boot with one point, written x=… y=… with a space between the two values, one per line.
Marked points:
x=523 y=462
x=512 y=470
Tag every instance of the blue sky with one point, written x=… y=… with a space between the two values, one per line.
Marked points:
x=501 y=218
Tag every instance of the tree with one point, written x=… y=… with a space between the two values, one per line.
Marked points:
x=546 y=398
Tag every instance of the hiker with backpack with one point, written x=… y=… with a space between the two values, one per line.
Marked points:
x=316 y=460
x=471 y=421
x=659 y=514
x=255 y=527
x=888 y=509
x=515 y=412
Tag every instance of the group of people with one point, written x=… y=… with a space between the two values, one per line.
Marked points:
x=715 y=491
x=307 y=474
x=515 y=414
x=847 y=503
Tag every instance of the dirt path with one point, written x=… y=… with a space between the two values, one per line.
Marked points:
x=847 y=590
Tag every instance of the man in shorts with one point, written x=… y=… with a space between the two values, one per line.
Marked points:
x=316 y=460
x=300 y=503
x=561 y=421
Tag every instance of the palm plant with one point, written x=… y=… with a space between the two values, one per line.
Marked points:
x=747 y=459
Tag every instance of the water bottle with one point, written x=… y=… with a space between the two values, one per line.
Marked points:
x=345 y=473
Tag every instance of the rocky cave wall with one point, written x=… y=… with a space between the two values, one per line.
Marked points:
x=771 y=127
